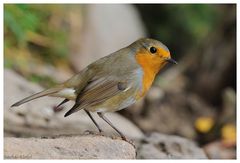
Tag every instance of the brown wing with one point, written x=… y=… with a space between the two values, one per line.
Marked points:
x=96 y=92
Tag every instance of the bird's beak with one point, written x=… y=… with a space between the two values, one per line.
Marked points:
x=170 y=60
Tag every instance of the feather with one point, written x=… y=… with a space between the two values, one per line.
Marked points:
x=49 y=91
x=94 y=93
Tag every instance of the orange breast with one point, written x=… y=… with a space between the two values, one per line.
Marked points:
x=150 y=66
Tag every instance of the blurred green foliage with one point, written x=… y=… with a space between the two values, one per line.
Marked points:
x=19 y=19
x=35 y=35
x=181 y=27
x=30 y=26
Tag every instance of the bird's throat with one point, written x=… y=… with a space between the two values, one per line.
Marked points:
x=150 y=67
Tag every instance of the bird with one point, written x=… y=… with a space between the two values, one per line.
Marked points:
x=113 y=82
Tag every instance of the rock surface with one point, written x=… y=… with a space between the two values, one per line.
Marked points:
x=161 y=146
x=74 y=147
x=37 y=118
x=219 y=150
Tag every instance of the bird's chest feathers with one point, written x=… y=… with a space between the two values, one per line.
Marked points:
x=150 y=66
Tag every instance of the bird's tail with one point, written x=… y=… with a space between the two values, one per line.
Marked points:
x=47 y=92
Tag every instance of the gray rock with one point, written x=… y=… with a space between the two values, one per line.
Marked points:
x=160 y=146
x=37 y=117
x=219 y=150
x=74 y=147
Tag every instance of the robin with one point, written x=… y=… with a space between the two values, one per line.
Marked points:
x=113 y=82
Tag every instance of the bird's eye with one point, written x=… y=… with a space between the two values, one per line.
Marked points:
x=153 y=50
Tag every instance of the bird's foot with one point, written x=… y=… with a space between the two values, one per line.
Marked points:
x=125 y=139
x=130 y=142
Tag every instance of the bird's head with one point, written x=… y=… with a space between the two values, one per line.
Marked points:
x=151 y=54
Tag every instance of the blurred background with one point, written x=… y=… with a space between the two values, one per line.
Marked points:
x=196 y=99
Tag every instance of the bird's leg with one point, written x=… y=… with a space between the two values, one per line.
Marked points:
x=101 y=115
x=89 y=114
